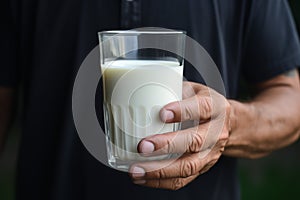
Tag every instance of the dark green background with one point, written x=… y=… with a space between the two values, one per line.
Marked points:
x=276 y=177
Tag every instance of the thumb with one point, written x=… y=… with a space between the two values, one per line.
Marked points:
x=193 y=108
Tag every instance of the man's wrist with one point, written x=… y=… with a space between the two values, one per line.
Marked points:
x=232 y=116
x=241 y=113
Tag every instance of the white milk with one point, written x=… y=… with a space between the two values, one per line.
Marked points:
x=134 y=93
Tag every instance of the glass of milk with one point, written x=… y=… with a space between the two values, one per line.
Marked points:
x=142 y=70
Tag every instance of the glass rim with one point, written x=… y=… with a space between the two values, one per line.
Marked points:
x=138 y=32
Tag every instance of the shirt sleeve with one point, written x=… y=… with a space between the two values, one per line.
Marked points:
x=8 y=47
x=271 y=44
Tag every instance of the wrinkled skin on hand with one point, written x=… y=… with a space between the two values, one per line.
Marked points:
x=199 y=146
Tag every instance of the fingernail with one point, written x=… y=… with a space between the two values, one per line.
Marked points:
x=147 y=147
x=166 y=115
x=138 y=172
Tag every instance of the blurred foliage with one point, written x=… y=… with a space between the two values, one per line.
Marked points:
x=273 y=177
x=8 y=161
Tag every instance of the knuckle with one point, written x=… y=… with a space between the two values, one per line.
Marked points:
x=188 y=168
x=196 y=142
x=160 y=174
x=205 y=107
x=178 y=183
x=159 y=183
x=188 y=113
x=170 y=147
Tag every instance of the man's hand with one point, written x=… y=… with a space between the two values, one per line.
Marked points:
x=268 y=122
x=199 y=146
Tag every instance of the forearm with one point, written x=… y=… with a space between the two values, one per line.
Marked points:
x=6 y=102
x=269 y=122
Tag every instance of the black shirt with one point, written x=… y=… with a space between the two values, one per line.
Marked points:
x=44 y=43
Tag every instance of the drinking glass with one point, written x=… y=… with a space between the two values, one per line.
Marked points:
x=142 y=70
